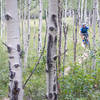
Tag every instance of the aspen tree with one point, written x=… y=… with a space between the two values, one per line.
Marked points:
x=98 y=17
x=60 y=32
x=79 y=12
x=40 y=27
x=13 y=45
x=85 y=13
x=34 y=33
x=82 y=6
x=94 y=33
x=1 y=2
x=65 y=29
x=51 y=69
x=27 y=35
x=66 y=6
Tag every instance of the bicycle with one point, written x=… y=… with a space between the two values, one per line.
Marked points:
x=86 y=42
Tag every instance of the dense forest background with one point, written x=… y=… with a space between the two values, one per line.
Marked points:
x=78 y=78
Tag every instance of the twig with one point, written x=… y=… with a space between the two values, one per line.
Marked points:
x=5 y=44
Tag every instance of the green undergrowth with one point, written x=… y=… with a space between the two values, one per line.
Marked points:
x=82 y=82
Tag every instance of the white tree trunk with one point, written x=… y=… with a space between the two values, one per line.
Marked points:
x=98 y=17
x=34 y=33
x=1 y=18
x=85 y=14
x=22 y=22
x=40 y=28
x=4 y=34
x=73 y=24
x=13 y=45
x=79 y=12
x=82 y=5
x=89 y=18
x=94 y=33
x=60 y=32
x=51 y=69
x=65 y=28
x=27 y=35
x=66 y=8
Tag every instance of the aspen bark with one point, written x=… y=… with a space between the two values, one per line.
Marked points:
x=65 y=29
x=13 y=45
x=97 y=7
x=98 y=16
x=22 y=23
x=1 y=2
x=82 y=5
x=60 y=32
x=94 y=33
x=73 y=24
x=40 y=27
x=79 y=12
x=66 y=8
x=4 y=35
x=89 y=17
x=51 y=69
x=85 y=14
x=34 y=35
x=27 y=35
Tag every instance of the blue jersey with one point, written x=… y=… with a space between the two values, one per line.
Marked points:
x=84 y=30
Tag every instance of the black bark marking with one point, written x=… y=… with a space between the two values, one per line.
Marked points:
x=38 y=37
x=16 y=65
x=46 y=96
x=47 y=70
x=12 y=74
x=11 y=57
x=18 y=48
x=9 y=90
x=50 y=44
x=55 y=96
x=54 y=87
x=50 y=40
x=9 y=49
x=9 y=65
x=28 y=36
x=54 y=20
x=55 y=57
x=55 y=40
x=15 y=91
x=10 y=80
x=55 y=77
x=8 y=17
x=40 y=11
x=51 y=28
x=50 y=95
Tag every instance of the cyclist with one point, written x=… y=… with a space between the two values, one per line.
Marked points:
x=84 y=33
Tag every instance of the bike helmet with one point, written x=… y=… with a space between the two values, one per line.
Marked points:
x=83 y=24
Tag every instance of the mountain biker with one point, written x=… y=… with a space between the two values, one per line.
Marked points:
x=84 y=32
